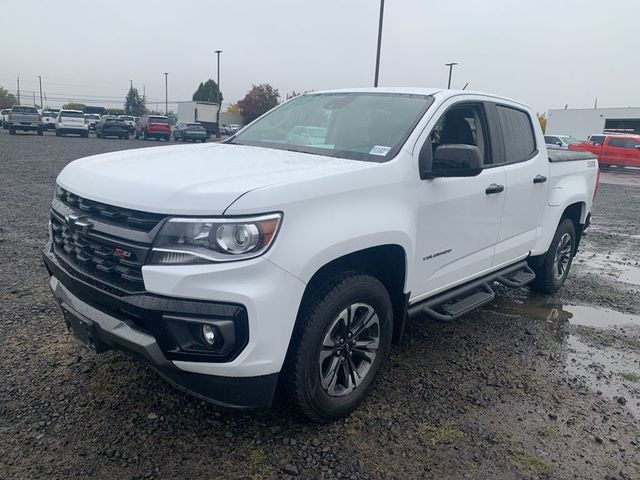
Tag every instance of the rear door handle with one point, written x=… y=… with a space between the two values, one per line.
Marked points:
x=494 y=188
x=539 y=179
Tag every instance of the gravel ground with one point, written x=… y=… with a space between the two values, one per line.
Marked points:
x=529 y=387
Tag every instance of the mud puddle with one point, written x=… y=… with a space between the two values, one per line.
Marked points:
x=614 y=265
x=602 y=346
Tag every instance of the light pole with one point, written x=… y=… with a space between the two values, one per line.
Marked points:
x=40 y=82
x=218 y=52
x=375 y=81
x=166 y=93
x=450 y=65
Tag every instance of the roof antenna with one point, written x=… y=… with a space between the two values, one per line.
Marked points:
x=465 y=86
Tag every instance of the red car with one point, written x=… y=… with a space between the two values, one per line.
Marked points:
x=619 y=150
x=153 y=126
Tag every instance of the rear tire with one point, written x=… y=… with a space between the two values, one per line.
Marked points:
x=552 y=269
x=40 y=132
x=339 y=346
x=12 y=131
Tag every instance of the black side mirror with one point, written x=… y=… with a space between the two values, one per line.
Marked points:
x=638 y=147
x=559 y=144
x=455 y=160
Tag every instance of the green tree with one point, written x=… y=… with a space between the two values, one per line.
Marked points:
x=7 y=100
x=73 y=106
x=207 y=92
x=260 y=99
x=133 y=103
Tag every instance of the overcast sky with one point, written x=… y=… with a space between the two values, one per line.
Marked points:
x=547 y=53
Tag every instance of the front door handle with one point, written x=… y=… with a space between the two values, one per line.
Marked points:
x=494 y=188
x=539 y=179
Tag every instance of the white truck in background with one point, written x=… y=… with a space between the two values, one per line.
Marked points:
x=204 y=113
x=274 y=261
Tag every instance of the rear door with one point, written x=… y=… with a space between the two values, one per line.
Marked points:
x=459 y=217
x=615 y=152
x=527 y=172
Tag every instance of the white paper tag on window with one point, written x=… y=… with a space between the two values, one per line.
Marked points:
x=379 y=150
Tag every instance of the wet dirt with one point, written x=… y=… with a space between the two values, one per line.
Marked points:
x=602 y=346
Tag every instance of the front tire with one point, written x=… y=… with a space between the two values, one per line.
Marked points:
x=552 y=269
x=339 y=347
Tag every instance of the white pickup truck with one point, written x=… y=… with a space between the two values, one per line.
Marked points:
x=274 y=261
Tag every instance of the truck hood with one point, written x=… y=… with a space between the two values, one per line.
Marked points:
x=191 y=180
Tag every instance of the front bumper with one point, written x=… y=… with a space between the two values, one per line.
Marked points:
x=104 y=321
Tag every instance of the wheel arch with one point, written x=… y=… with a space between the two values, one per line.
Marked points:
x=387 y=263
x=577 y=213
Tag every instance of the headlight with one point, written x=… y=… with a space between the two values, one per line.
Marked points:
x=205 y=240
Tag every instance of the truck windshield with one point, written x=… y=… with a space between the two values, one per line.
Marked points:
x=367 y=126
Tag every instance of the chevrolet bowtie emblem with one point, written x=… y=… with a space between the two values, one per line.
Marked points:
x=78 y=223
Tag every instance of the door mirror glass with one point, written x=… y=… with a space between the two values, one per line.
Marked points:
x=456 y=160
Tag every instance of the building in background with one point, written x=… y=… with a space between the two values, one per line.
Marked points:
x=205 y=113
x=582 y=122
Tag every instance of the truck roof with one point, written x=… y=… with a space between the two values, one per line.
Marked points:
x=418 y=91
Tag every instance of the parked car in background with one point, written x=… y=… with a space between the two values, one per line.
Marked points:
x=130 y=121
x=71 y=122
x=184 y=131
x=26 y=119
x=49 y=119
x=153 y=126
x=225 y=130
x=254 y=264
x=235 y=128
x=4 y=118
x=112 y=127
x=92 y=120
x=615 y=150
x=562 y=141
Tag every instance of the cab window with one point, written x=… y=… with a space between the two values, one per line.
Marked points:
x=465 y=125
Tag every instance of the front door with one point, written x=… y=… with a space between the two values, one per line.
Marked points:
x=459 y=217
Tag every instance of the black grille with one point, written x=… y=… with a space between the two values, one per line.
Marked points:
x=107 y=260
x=120 y=216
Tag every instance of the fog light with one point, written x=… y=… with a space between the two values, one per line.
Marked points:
x=208 y=335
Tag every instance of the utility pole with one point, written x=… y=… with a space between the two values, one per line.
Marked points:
x=450 y=65
x=34 y=98
x=144 y=93
x=218 y=52
x=375 y=81
x=40 y=82
x=166 y=93
x=18 y=89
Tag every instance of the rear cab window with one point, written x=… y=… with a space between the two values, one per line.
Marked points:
x=29 y=110
x=72 y=114
x=158 y=120
x=623 y=142
x=517 y=134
